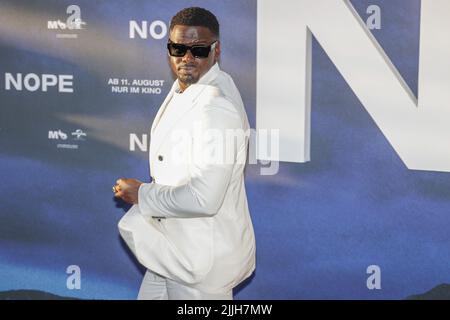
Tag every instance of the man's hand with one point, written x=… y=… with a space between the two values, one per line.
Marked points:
x=127 y=190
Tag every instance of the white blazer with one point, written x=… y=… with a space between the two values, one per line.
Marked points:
x=192 y=223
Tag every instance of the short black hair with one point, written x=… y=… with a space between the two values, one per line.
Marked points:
x=195 y=16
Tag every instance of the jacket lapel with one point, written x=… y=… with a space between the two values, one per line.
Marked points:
x=163 y=107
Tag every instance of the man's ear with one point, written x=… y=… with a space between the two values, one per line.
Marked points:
x=217 y=51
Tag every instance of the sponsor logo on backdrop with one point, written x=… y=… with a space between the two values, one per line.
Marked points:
x=57 y=135
x=135 y=86
x=156 y=29
x=39 y=82
x=79 y=135
x=67 y=28
x=70 y=141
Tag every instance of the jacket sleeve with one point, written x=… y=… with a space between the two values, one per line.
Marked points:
x=222 y=136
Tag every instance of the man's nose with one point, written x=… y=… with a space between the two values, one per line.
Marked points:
x=188 y=56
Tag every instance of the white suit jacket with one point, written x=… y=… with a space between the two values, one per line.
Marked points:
x=204 y=235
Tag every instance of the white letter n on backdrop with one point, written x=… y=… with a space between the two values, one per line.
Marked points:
x=419 y=131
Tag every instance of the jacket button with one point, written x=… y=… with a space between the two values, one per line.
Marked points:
x=160 y=158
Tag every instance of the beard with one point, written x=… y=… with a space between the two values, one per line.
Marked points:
x=187 y=78
x=188 y=74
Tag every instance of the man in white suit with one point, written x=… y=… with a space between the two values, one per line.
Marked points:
x=190 y=226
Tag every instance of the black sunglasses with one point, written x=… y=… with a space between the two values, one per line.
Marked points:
x=198 y=51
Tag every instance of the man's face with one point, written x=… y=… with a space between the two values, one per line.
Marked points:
x=189 y=69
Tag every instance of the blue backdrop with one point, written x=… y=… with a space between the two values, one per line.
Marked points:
x=318 y=225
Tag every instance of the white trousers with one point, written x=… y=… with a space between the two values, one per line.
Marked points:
x=155 y=287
